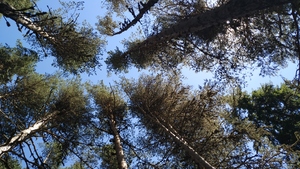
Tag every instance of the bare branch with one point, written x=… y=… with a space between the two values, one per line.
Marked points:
x=142 y=10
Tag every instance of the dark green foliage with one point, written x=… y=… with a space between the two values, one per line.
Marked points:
x=115 y=62
x=28 y=97
x=108 y=101
x=108 y=156
x=73 y=117
x=18 y=61
x=119 y=61
x=8 y=162
x=23 y=101
x=55 y=154
x=161 y=55
x=20 y=4
x=77 y=165
x=71 y=102
x=76 y=49
x=277 y=109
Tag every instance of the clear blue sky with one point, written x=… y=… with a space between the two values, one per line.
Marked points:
x=92 y=9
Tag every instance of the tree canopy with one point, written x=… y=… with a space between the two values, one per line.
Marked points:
x=276 y=108
x=156 y=121
x=199 y=37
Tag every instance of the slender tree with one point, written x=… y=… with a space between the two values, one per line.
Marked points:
x=111 y=110
x=196 y=128
x=163 y=105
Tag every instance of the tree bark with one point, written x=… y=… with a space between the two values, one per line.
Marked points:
x=17 y=16
x=117 y=142
x=233 y=9
x=25 y=134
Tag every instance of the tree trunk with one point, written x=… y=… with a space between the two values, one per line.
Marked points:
x=25 y=134
x=179 y=140
x=233 y=9
x=17 y=16
x=117 y=142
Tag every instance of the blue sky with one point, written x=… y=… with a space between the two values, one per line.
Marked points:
x=92 y=9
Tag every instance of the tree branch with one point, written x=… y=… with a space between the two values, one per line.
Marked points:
x=142 y=11
x=19 y=17
x=233 y=9
x=26 y=133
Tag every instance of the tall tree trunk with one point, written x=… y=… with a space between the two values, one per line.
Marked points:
x=17 y=16
x=233 y=9
x=178 y=139
x=117 y=142
x=25 y=134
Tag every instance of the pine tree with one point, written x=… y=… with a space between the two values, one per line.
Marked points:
x=268 y=116
x=224 y=38
x=111 y=110
x=34 y=105
x=54 y=36
x=155 y=121
x=273 y=107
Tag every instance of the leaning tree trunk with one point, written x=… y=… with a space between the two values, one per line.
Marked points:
x=25 y=134
x=179 y=140
x=117 y=142
x=232 y=10
x=17 y=16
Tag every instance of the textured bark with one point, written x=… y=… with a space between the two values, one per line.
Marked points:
x=25 y=134
x=17 y=16
x=117 y=142
x=232 y=10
